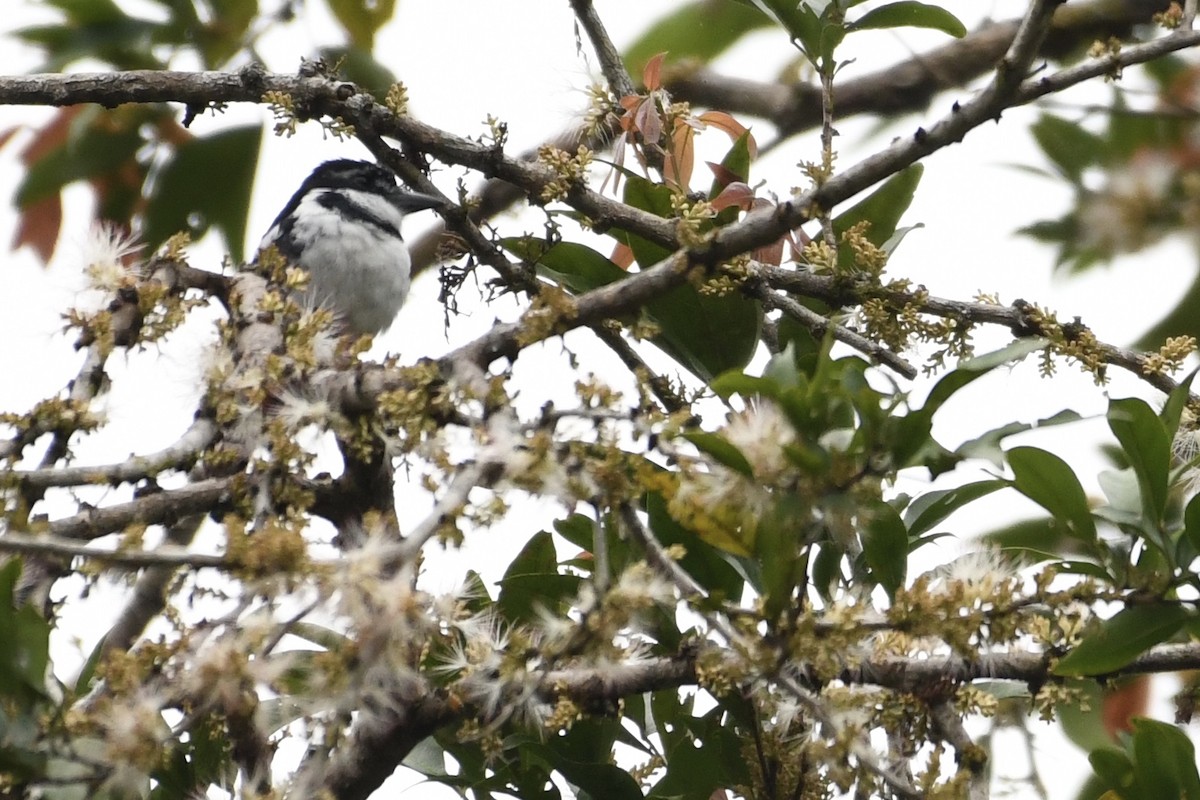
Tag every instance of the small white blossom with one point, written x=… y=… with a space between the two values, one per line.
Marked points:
x=324 y=340
x=640 y=586
x=979 y=575
x=721 y=497
x=1120 y=217
x=979 y=566
x=105 y=254
x=131 y=724
x=299 y=408
x=760 y=433
x=1148 y=177
x=1185 y=447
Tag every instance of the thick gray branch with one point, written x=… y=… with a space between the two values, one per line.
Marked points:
x=153 y=509
x=179 y=455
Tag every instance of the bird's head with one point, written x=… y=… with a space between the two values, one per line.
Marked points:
x=363 y=176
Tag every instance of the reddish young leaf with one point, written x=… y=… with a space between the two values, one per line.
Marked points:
x=652 y=74
x=40 y=222
x=798 y=240
x=735 y=193
x=1122 y=703
x=723 y=174
x=8 y=134
x=614 y=174
x=724 y=122
x=769 y=253
x=39 y=225
x=647 y=122
x=50 y=136
x=677 y=168
x=622 y=256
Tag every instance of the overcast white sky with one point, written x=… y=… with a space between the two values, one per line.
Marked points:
x=465 y=59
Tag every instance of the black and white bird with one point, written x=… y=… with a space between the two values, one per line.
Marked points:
x=343 y=226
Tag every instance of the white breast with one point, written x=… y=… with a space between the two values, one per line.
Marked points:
x=356 y=269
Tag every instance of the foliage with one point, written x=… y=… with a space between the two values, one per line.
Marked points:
x=731 y=594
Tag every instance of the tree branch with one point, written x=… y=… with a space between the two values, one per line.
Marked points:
x=152 y=509
x=818 y=326
x=25 y=544
x=611 y=63
x=179 y=455
x=839 y=293
x=910 y=85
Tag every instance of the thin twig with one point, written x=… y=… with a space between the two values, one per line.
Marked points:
x=611 y=63
x=1016 y=317
x=819 y=325
x=26 y=544
x=178 y=455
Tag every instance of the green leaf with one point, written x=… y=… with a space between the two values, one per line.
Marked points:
x=187 y=198
x=100 y=30
x=700 y=764
x=83 y=682
x=656 y=199
x=1115 y=770
x=987 y=445
x=702 y=29
x=711 y=567
x=575 y=266
x=1051 y=483
x=932 y=507
x=913 y=443
x=599 y=780
x=25 y=656
x=224 y=36
x=125 y=44
x=737 y=162
x=777 y=550
x=827 y=569
x=910 y=14
x=203 y=759
x=747 y=386
x=1181 y=320
x=720 y=449
x=324 y=637
x=708 y=335
x=1145 y=443
x=885 y=545
x=90 y=152
x=1005 y=689
x=1124 y=495
x=1085 y=728
x=1069 y=145
x=1164 y=760
x=427 y=758
x=533 y=581
x=1040 y=538
x=1130 y=132
x=1123 y=638
x=1177 y=400
x=89 y=12
x=973 y=368
x=1191 y=523
x=362 y=19
x=883 y=208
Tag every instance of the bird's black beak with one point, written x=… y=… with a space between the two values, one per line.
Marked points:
x=413 y=201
